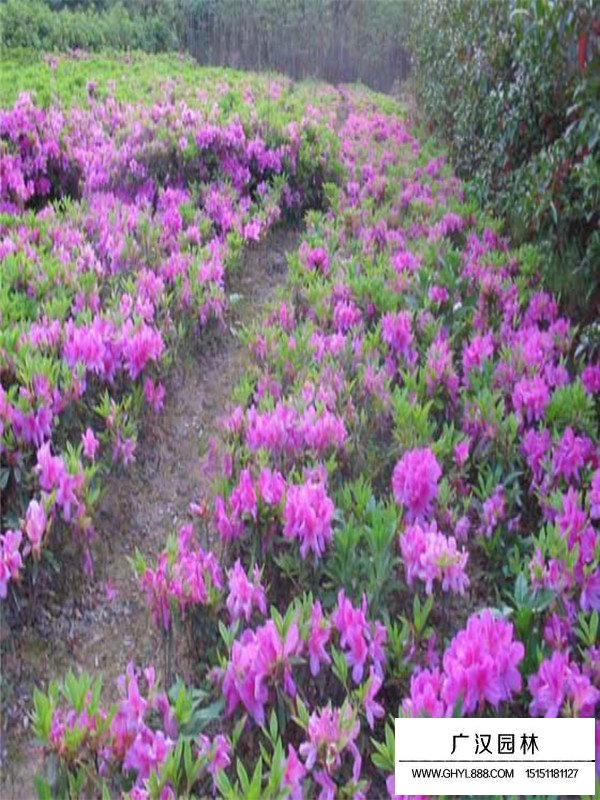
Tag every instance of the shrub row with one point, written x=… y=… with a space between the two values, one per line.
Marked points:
x=118 y=226
x=33 y=25
x=513 y=88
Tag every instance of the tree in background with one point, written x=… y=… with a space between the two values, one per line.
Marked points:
x=338 y=40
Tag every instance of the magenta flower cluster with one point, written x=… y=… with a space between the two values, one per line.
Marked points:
x=430 y=556
x=415 y=482
x=307 y=517
x=186 y=579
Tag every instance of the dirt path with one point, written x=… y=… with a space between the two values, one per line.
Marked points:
x=100 y=628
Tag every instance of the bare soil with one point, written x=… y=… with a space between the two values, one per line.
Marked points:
x=92 y=627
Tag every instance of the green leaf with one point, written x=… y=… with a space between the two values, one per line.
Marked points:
x=273 y=726
x=204 y=716
x=242 y=777
x=42 y=788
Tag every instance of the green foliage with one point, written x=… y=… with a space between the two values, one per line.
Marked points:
x=364 y=558
x=514 y=89
x=526 y=605
x=32 y=24
x=571 y=406
x=339 y=41
x=384 y=756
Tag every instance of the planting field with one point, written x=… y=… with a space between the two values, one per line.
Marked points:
x=292 y=441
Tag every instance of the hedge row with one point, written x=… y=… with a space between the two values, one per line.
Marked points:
x=514 y=88
x=34 y=25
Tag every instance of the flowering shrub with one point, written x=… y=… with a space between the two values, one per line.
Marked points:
x=405 y=506
x=415 y=481
x=98 y=289
x=481 y=664
x=559 y=686
x=430 y=556
x=307 y=516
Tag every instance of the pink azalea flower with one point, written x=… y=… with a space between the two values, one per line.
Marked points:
x=559 y=682
x=461 y=453
x=271 y=486
x=320 y=631
x=327 y=784
x=35 y=526
x=355 y=633
x=397 y=334
x=245 y=595
x=345 y=316
x=293 y=774
x=154 y=395
x=124 y=450
x=590 y=377
x=415 y=481
x=110 y=591
x=10 y=559
x=218 y=751
x=373 y=710
x=425 y=695
x=477 y=352
x=571 y=455
x=438 y=294
x=481 y=664
x=493 y=512
x=257 y=659
x=243 y=498
x=308 y=515
x=90 y=444
x=575 y=527
x=148 y=750
x=530 y=398
x=430 y=556
x=590 y=593
x=156 y=586
x=595 y=496
x=51 y=469
x=331 y=732
x=252 y=231
x=140 y=347
x=317 y=259
x=535 y=446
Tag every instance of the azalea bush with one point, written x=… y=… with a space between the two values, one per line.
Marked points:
x=404 y=517
x=118 y=225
